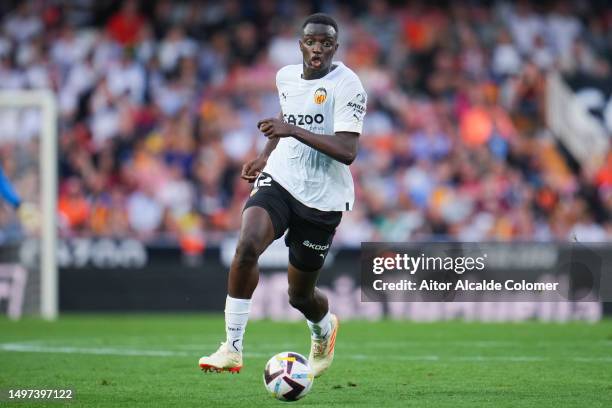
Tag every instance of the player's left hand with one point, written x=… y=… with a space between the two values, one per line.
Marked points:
x=29 y=216
x=252 y=168
x=273 y=128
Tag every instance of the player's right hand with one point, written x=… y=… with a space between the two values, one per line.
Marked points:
x=252 y=168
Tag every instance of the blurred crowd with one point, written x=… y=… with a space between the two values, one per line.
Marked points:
x=158 y=102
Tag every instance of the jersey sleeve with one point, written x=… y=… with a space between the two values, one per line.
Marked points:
x=278 y=75
x=350 y=107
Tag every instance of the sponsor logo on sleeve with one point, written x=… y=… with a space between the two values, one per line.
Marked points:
x=358 y=105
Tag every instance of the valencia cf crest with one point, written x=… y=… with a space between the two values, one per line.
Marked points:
x=320 y=96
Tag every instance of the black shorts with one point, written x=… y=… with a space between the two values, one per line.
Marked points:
x=311 y=231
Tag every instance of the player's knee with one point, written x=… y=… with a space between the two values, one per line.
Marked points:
x=247 y=251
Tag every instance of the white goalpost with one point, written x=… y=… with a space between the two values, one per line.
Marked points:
x=44 y=100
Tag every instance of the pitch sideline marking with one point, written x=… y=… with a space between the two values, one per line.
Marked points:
x=32 y=348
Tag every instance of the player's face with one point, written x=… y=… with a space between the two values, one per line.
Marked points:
x=318 y=45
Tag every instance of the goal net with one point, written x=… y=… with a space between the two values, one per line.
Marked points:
x=28 y=156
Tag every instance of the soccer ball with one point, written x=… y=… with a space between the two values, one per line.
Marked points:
x=288 y=376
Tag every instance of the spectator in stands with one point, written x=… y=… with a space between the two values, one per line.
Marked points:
x=158 y=113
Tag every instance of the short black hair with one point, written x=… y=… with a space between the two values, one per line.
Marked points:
x=321 y=18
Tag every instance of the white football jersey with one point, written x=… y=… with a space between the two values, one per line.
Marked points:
x=334 y=103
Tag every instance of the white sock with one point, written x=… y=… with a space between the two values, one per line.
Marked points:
x=236 y=318
x=321 y=329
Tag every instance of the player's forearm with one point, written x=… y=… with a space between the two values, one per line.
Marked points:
x=332 y=145
x=271 y=144
x=269 y=148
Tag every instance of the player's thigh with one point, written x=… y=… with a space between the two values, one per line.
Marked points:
x=256 y=230
x=265 y=217
x=309 y=243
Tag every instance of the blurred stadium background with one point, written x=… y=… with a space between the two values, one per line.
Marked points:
x=487 y=121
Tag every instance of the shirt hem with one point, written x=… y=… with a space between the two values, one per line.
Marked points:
x=342 y=209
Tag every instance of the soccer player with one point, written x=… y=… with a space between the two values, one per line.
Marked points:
x=302 y=183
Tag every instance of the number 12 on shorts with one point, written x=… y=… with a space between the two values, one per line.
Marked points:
x=263 y=180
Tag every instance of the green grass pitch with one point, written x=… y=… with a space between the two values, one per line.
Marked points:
x=151 y=360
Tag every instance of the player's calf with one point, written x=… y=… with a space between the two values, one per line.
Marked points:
x=302 y=303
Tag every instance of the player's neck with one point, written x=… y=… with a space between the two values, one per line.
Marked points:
x=309 y=74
